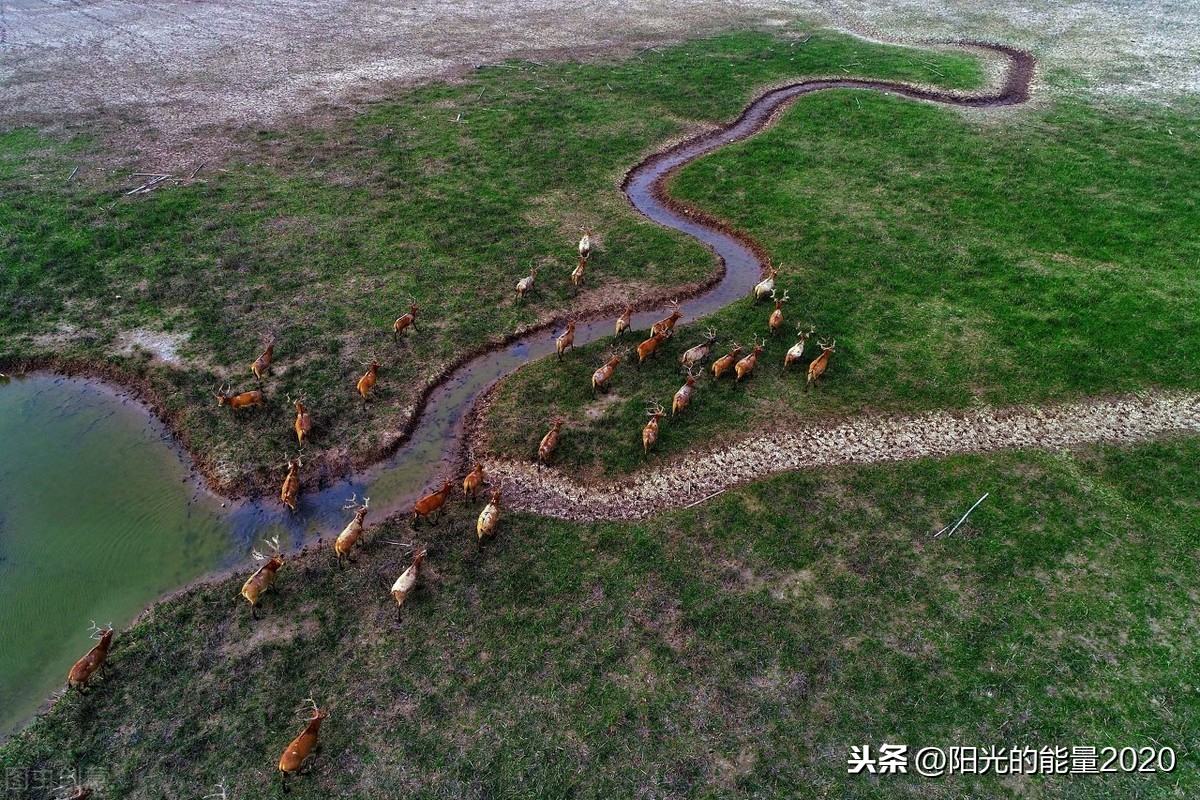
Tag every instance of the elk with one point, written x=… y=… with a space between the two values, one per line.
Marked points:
x=262 y=364
x=602 y=375
x=585 y=244
x=238 y=401
x=566 y=340
x=746 y=365
x=407 y=581
x=407 y=320
x=684 y=395
x=303 y=424
x=650 y=432
x=624 y=319
x=577 y=275
x=301 y=749
x=797 y=350
x=818 y=365
x=93 y=660
x=766 y=285
x=263 y=577
x=473 y=481
x=526 y=283
x=431 y=502
x=667 y=324
x=693 y=356
x=548 y=443
x=648 y=347
x=291 y=484
x=726 y=361
x=486 y=524
x=775 y=323
x=351 y=535
x=367 y=382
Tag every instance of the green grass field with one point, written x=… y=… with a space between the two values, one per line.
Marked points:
x=738 y=649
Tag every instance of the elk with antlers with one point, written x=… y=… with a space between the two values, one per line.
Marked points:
x=407 y=581
x=93 y=660
x=473 y=481
x=297 y=754
x=431 y=502
x=407 y=320
x=818 y=365
x=585 y=244
x=577 y=275
x=351 y=535
x=303 y=423
x=262 y=364
x=624 y=320
x=263 y=577
x=238 y=401
x=797 y=350
x=775 y=323
x=291 y=484
x=650 y=432
x=486 y=524
x=722 y=364
x=566 y=340
x=526 y=283
x=692 y=357
x=648 y=347
x=746 y=365
x=684 y=395
x=667 y=324
x=601 y=376
x=766 y=286
x=548 y=443
x=367 y=382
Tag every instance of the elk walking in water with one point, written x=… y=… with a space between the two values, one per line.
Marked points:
x=93 y=660
x=262 y=578
x=566 y=340
x=797 y=350
x=407 y=320
x=775 y=323
x=650 y=432
x=746 y=365
x=623 y=320
x=817 y=368
x=367 y=382
x=291 y=484
x=262 y=364
x=407 y=581
x=548 y=443
x=351 y=535
x=238 y=401
x=297 y=754
x=722 y=364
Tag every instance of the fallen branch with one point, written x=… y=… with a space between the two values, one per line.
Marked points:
x=145 y=187
x=196 y=171
x=962 y=518
x=72 y=175
x=702 y=499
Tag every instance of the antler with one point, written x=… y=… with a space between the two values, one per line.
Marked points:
x=784 y=298
x=308 y=704
x=762 y=344
x=656 y=410
x=710 y=333
x=220 y=793
x=352 y=502
x=274 y=542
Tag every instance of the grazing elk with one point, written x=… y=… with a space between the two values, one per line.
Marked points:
x=351 y=535
x=684 y=395
x=722 y=364
x=407 y=320
x=818 y=365
x=602 y=376
x=648 y=347
x=291 y=484
x=566 y=340
x=624 y=320
x=303 y=424
x=407 y=581
x=650 y=432
x=797 y=350
x=577 y=275
x=692 y=357
x=473 y=481
x=367 y=382
x=93 y=660
x=297 y=754
x=667 y=324
x=775 y=323
x=263 y=577
x=238 y=401
x=262 y=364
x=548 y=443
x=746 y=365
x=585 y=244
x=526 y=283
x=767 y=285
x=486 y=524
x=431 y=502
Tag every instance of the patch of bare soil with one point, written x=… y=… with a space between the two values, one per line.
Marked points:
x=861 y=440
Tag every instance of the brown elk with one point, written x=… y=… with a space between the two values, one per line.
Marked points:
x=367 y=382
x=431 y=502
x=351 y=535
x=624 y=320
x=238 y=401
x=526 y=284
x=585 y=244
x=486 y=524
x=746 y=365
x=601 y=376
x=767 y=285
x=775 y=323
x=297 y=754
x=93 y=660
x=473 y=481
x=303 y=424
x=262 y=364
x=797 y=350
x=407 y=581
x=566 y=340
x=648 y=347
x=684 y=395
x=722 y=364
x=818 y=365
x=263 y=577
x=407 y=320
x=577 y=275
x=291 y=484
x=548 y=443
x=692 y=357
x=667 y=324
x=650 y=432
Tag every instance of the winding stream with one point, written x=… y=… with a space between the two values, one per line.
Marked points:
x=102 y=534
